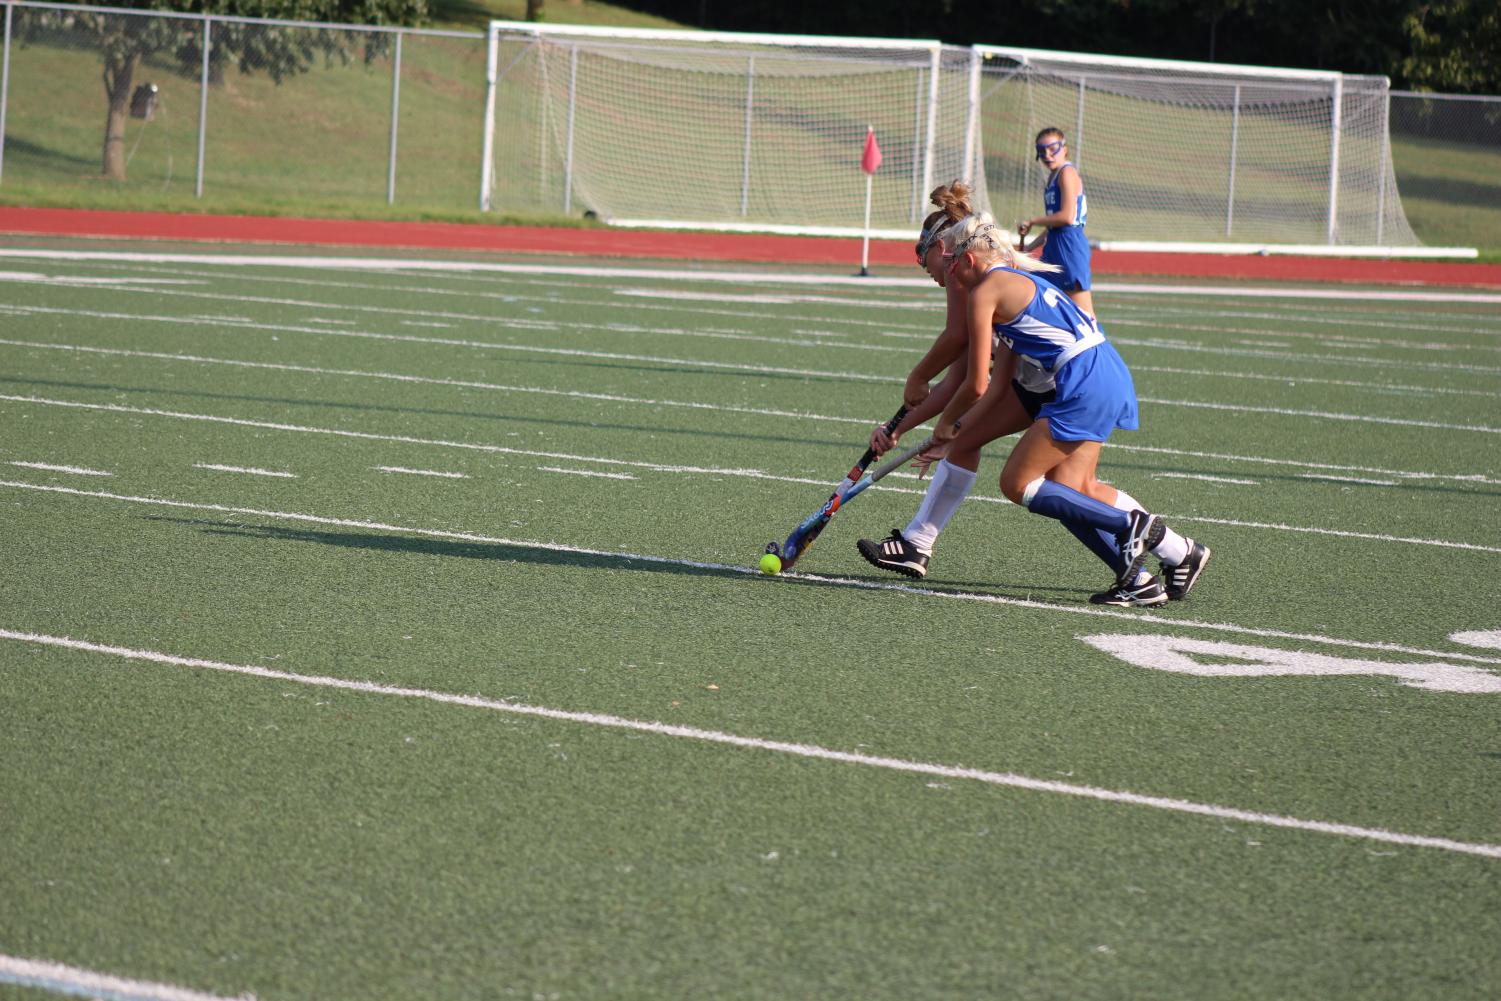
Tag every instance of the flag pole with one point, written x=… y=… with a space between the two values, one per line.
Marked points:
x=870 y=162
x=865 y=243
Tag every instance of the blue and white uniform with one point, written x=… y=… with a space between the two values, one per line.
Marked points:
x=1054 y=339
x=1066 y=246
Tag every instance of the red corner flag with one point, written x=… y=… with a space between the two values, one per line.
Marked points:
x=871 y=158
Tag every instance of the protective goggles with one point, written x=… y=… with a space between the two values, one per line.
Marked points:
x=925 y=241
x=1049 y=149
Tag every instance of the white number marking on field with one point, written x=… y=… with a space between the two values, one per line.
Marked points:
x=1212 y=659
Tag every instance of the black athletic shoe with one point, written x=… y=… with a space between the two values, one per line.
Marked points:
x=896 y=554
x=1143 y=532
x=1181 y=578
x=1144 y=595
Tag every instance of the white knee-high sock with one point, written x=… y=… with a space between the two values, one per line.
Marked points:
x=950 y=485
x=1126 y=502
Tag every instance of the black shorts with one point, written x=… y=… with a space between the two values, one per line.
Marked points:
x=1031 y=400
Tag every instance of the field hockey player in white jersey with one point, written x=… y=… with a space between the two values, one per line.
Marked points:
x=1065 y=210
x=1057 y=455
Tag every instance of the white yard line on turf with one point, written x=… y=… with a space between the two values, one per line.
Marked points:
x=500 y=346
x=1391 y=316
x=658 y=467
x=844 y=582
x=588 y=472
x=716 y=407
x=1320 y=414
x=1346 y=479
x=812 y=751
x=824 y=373
x=1304 y=380
x=538 y=324
x=75 y=470
x=916 y=333
x=423 y=472
x=249 y=470
x=1204 y=477
x=1425 y=321
x=60 y=979
x=555 y=268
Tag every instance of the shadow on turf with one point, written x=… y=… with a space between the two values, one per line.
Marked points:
x=853 y=442
x=520 y=553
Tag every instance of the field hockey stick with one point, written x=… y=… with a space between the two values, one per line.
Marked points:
x=815 y=523
x=803 y=535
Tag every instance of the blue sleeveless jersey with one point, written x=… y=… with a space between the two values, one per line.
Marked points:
x=1051 y=330
x=1052 y=198
x=1053 y=338
x=1067 y=246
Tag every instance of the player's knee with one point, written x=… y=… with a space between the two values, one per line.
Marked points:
x=1015 y=489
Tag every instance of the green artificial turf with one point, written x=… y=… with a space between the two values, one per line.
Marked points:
x=235 y=833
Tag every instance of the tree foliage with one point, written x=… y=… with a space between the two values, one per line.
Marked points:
x=125 y=41
x=1450 y=45
x=1456 y=46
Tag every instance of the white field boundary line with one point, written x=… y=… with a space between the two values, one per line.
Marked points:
x=1328 y=341
x=60 y=979
x=661 y=468
x=1297 y=313
x=752 y=572
x=681 y=275
x=1392 y=388
x=768 y=369
x=715 y=407
x=556 y=302
x=812 y=751
x=918 y=333
x=1425 y=320
x=1379 y=387
x=517 y=323
x=1394 y=318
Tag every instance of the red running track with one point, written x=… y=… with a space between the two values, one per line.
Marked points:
x=691 y=246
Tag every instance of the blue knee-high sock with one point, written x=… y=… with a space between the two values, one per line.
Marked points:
x=1054 y=500
x=1101 y=543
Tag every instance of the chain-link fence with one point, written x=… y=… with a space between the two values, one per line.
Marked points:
x=156 y=110
x=1447 y=153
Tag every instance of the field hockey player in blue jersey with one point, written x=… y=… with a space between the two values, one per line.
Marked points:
x=1065 y=211
x=1055 y=459
x=1017 y=409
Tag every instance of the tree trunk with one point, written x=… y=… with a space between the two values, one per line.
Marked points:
x=119 y=74
x=534 y=10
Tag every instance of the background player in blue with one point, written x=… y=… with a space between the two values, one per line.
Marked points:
x=1056 y=457
x=1066 y=210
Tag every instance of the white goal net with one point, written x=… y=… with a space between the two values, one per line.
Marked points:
x=722 y=130
x=1197 y=152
